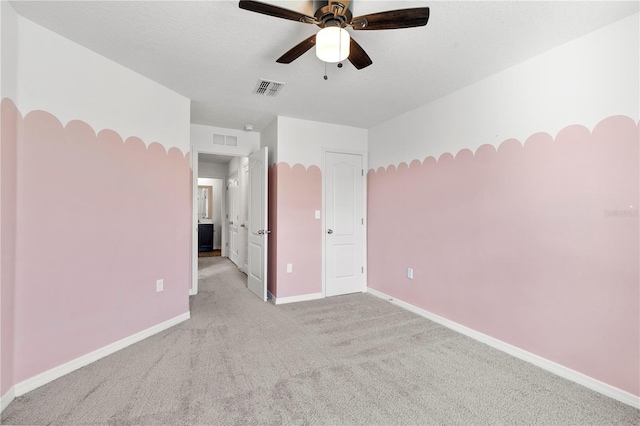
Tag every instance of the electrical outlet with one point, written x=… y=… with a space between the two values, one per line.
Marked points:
x=159 y=286
x=410 y=273
x=289 y=268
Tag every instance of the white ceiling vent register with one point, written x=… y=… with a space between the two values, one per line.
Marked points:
x=268 y=87
x=225 y=140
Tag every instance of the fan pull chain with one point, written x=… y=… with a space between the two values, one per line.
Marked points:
x=325 y=71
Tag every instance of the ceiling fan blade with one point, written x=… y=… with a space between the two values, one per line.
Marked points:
x=393 y=19
x=298 y=50
x=278 y=12
x=357 y=56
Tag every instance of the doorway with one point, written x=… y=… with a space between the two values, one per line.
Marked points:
x=210 y=208
x=221 y=173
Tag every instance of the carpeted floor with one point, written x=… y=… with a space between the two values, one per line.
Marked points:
x=352 y=359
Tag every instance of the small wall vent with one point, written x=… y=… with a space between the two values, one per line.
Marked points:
x=218 y=139
x=268 y=87
x=223 y=140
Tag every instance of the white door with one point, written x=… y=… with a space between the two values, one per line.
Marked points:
x=258 y=233
x=234 y=217
x=344 y=224
x=244 y=212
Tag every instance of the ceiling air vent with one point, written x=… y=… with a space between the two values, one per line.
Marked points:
x=267 y=87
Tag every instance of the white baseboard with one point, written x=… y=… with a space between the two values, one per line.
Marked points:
x=6 y=399
x=557 y=369
x=66 y=368
x=292 y=299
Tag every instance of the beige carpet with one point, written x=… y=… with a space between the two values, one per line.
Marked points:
x=342 y=360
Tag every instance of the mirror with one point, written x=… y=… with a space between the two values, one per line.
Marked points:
x=205 y=201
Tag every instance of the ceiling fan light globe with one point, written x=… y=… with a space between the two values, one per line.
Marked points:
x=332 y=44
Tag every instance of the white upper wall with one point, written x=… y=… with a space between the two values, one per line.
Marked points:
x=202 y=141
x=74 y=83
x=269 y=139
x=302 y=141
x=8 y=51
x=580 y=82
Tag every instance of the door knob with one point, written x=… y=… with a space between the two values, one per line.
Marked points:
x=329 y=231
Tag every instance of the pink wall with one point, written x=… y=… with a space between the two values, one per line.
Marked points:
x=272 y=254
x=299 y=233
x=99 y=220
x=522 y=245
x=8 y=182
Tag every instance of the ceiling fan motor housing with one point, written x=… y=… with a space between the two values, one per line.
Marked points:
x=332 y=13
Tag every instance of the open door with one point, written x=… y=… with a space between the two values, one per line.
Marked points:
x=234 y=218
x=258 y=232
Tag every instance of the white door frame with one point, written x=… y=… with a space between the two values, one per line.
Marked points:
x=193 y=289
x=365 y=167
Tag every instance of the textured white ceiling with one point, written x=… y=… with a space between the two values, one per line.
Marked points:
x=213 y=52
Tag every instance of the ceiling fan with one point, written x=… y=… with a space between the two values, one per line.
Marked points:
x=333 y=43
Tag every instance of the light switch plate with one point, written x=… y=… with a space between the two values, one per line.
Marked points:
x=317 y=214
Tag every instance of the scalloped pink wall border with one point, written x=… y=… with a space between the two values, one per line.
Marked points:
x=99 y=220
x=522 y=244
x=298 y=233
x=8 y=195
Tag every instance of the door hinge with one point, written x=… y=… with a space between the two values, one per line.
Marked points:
x=362 y=221
x=362 y=269
x=362 y=170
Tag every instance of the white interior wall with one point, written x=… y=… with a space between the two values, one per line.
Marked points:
x=66 y=80
x=302 y=141
x=8 y=52
x=202 y=140
x=580 y=82
x=269 y=139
